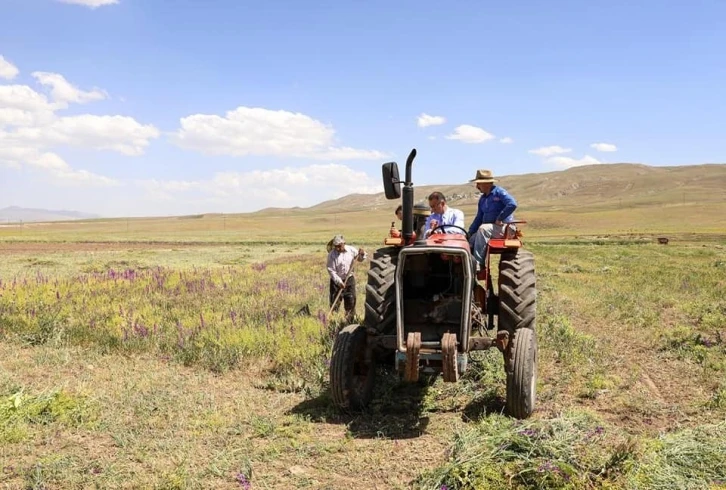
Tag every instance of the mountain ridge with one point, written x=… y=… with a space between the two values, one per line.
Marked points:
x=587 y=185
x=29 y=215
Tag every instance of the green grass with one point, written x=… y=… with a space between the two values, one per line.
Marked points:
x=19 y=411
x=190 y=367
x=578 y=450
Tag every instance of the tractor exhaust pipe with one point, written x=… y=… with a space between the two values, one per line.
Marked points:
x=408 y=199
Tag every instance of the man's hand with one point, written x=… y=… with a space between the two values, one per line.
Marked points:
x=434 y=224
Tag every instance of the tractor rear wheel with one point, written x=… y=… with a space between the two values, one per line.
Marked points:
x=521 y=367
x=351 y=377
x=517 y=291
x=381 y=292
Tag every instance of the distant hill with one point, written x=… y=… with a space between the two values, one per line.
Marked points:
x=16 y=214
x=578 y=189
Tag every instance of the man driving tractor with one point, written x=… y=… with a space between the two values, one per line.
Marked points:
x=442 y=214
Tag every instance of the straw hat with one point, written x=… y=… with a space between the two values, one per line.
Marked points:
x=484 y=176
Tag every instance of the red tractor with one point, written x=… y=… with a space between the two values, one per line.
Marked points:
x=427 y=307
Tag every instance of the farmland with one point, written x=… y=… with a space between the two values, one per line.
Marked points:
x=154 y=354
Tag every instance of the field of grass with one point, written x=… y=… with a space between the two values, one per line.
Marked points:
x=203 y=364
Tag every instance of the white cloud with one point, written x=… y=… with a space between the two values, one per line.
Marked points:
x=548 y=151
x=258 y=131
x=16 y=117
x=568 y=162
x=507 y=140
x=8 y=71
x=53 y=165
x=425 y=120
x=24 y=98
x=30 y=129
x=604 y=147
x=64 y=92
x=274 y=187
x=90 y=3
x=116 y=133
x=470 y=134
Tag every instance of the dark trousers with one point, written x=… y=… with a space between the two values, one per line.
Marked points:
x=348 y=296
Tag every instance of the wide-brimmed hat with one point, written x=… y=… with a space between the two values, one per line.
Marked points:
x=422 y=210
x=483 y=176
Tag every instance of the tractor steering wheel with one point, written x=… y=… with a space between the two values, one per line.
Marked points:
x=436 y=230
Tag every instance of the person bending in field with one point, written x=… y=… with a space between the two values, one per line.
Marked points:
x=340 y=264
x=496 y=207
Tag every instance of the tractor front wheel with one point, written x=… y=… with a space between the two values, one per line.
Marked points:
x=520 y=363
x=351 y=377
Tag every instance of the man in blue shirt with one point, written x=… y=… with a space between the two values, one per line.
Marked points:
x=496 y=207
x=442 y=214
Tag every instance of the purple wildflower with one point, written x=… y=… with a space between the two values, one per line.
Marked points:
x=528 y=432
x=140 y=330
x=547 y=466
x=322 y=317
x=243 y=481
x=595 y=432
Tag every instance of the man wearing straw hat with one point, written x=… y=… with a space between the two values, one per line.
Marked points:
x=496 y=207
x=340 y=269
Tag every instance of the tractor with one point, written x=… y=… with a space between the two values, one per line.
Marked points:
x=429 y=305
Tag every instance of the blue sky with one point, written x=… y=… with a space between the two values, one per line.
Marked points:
x=144 y=107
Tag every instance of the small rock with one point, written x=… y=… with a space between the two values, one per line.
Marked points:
x=297 y=471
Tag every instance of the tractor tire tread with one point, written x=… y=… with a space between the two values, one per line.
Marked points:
x=380 y=307
x=341 y=369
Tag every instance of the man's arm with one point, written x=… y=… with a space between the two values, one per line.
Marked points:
x=427 y=225
x=509 y=205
